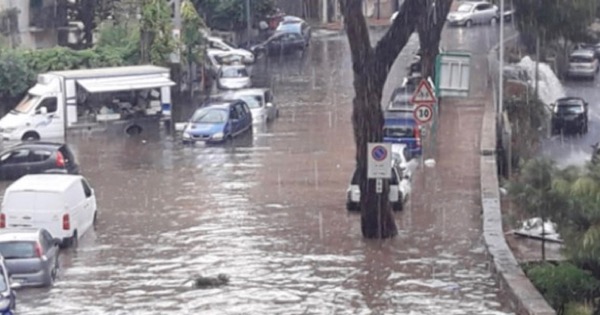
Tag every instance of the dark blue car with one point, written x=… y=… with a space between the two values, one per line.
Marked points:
x=218 y=122
x=401 y=127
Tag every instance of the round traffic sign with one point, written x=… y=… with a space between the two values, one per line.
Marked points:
x=423 y=113
x=379 y=153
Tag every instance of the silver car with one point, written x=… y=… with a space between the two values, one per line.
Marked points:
x=31 y=256
x=583 y=64
x=260 y=101
x=477 y=12
x=233 y=77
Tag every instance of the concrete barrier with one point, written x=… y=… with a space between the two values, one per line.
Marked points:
x=524 y=297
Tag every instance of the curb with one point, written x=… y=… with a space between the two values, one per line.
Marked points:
x=524 y=297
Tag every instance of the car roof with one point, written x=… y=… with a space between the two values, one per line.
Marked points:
x=20 y=234
x=569 y=100
x=583 y=53
x=44 y=182
x=252 y=91
x=38 y=144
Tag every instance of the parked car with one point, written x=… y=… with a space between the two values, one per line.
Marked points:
x=570 y=114
x=231 y=77
x=260 y=102
x=8 y=296
x=297 y=26
x=218 y=45
x=31 y=256
x=218 y=122
x=588 y=46
x=33 y=157
x=63 y=204
x=403 y=160
x=400 y=188
x=470 y=13
x=400 y=100
x=583 y=64
x=401 y=127
x=280 y=43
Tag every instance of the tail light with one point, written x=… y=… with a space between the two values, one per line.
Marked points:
x=60 y=160
x=38 y=250
x=417 y=134
x=2 y=221
x=66 y=222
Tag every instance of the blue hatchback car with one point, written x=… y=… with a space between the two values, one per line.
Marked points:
x=401 y=127
x=218 y=122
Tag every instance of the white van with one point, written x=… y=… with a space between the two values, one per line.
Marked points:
x=65 y=205
x=218 y=46
x=118 y=100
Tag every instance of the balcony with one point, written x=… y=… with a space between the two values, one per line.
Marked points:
x=43 y=18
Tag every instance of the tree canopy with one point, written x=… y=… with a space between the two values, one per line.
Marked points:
x=230 y=15
x=555 y=20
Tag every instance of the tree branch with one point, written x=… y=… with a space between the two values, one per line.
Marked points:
x=358 y=34
x=394 y=40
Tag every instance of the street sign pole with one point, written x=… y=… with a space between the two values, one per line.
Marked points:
x=379 y=168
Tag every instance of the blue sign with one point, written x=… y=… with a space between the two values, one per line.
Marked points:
x=379 y=153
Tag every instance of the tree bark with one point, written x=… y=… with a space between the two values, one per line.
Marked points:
x=371 y=67
x=430 y=28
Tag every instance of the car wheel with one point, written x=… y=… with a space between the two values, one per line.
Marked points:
x=351 y=206
x=398 y=206
x=72 y=241
x=95 y=222
x=469 y=23
x=31 y=136
x=134 y=130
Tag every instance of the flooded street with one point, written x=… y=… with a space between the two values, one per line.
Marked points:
x=269 y=211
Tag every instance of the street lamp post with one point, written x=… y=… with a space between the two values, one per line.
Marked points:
x=248 y=21
x=501 y=63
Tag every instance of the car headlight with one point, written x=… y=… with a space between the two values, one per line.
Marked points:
x=217 y=136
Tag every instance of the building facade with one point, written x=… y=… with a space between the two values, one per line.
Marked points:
x=32 y=24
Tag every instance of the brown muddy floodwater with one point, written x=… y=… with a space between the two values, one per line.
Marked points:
x=269 y=211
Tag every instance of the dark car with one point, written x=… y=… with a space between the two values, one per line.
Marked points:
x=570 y=114
x=295 y=25
x=401 y=127
x=280 y=43
x=34 y=157
x=218 y=122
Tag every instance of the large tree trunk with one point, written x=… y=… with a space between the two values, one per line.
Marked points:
x=371 y=67
x=430 y=28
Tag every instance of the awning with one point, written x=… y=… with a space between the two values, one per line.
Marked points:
x=124 y=84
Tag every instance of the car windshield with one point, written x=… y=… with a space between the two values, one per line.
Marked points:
x=398 y=132
x=290 y=27
x=210 y=116
x=464 y=8
x=17 y=250
x=253 y=101
x=234 y=73
x=581 y=59
x=565 y=109
x=27 y=103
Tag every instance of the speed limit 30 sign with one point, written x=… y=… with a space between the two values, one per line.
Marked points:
x=423 y=113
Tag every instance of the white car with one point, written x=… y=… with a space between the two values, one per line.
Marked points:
x=218 y=45
x=478 y=12
x=260 y=101
x=233 y=77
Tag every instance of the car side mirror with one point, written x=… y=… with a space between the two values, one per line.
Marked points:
x=42 y=110
x=15 y=285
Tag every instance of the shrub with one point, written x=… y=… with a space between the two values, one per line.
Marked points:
x=562 y=284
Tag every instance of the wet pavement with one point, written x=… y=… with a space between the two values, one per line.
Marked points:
x=269 y=211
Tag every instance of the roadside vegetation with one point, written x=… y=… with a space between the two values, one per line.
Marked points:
x=570 y=197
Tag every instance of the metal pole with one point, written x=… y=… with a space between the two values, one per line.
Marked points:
x=248 y=20
x=177 y=14
x=378 y=9
x=501 y=62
